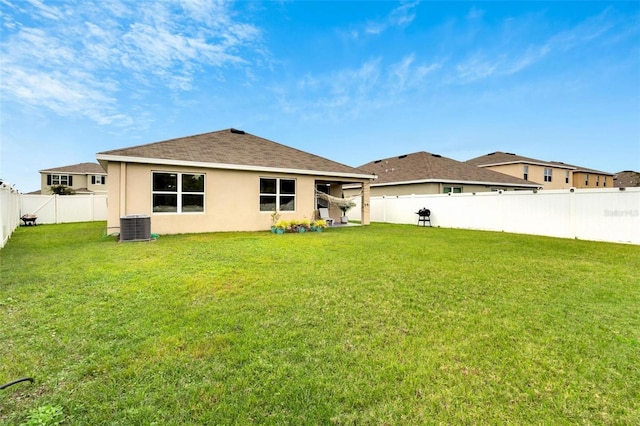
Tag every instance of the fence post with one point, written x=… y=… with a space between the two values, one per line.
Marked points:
x=56 y=208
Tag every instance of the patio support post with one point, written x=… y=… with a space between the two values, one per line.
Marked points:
x=365 y=211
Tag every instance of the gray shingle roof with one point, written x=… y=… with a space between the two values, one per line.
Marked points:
x=424 y=166
x=498 y=158
x=627 y=179
x=81 y=169
x=234 y=148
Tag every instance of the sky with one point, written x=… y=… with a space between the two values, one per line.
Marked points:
x=350 y=81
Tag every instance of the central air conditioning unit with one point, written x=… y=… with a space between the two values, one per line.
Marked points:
x=135 y=228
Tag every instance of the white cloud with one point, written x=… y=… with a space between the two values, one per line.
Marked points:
x=508 y=57
x=401 y=16
x=353 y=92
x=45 y=11
x=153 y=43
x=406 y=74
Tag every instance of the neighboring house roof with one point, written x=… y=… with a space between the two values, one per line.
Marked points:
x=421 y=167
x=501 y=158
x=231 y=149
x=78 y=169
x=626 y=179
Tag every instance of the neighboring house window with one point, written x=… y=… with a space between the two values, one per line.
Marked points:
x=604 y=181
x=586 y=180
x=566 y=177
x=451 y=189
x=66 y=180
x=597 y=180
x=277 y=194
x=547 y=175
x=178 y=192
x=98 y=180
x=525 y=170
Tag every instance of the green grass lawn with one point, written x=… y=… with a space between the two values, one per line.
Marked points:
x=385 y=324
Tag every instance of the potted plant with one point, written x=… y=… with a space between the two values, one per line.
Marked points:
x=345 y=206
x=304 y=225
x=281 y=226
x=318 y=225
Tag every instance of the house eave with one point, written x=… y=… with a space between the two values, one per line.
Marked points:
x=167 y=162
x=71 y=173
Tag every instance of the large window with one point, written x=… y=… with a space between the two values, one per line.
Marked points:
x=525 y=172
x=547 y=175
x=178 y=192
x=277 y=194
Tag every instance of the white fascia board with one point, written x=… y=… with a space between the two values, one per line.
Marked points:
x=454 y=182
x=166 y=162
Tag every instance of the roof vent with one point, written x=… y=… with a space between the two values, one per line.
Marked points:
x=509 y=153
x=237 y=132
x=377 y=161
x=403 y=156
x=437 y=155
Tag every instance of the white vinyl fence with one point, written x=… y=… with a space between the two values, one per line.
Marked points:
x=9 y=212
x=610 y=215
x=65 y=208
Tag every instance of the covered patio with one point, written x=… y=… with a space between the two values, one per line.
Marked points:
x=330 y=197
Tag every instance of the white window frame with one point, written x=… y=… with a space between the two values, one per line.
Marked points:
x=179 y=192
x=278 y=195
x=98 y=180
x=525 y=172
x=57 y=179
x=548 y=174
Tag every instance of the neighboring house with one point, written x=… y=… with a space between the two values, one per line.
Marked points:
x=226 y=180
x=626 y=179
x=426 y=173
x=549 y=174
x=83 y=178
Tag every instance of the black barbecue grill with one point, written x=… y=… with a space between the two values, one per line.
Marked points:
x=424 y=216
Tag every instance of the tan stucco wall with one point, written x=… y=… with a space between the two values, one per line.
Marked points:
x=231 y=200
x=79 y=181
x=536 y=174
x=603 y=181
x=558 y=176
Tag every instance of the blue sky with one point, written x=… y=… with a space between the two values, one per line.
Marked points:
x=350 y=81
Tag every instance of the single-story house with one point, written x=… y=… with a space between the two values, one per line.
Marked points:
x=549 y=174
x=426 y=173
x=83 y=178
x=226 y=180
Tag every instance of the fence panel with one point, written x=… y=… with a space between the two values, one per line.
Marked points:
x=9 y=212
x=609 y=215
x=65 y=208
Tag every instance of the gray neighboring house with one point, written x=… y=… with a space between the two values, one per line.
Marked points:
x=427 y=173
x=83 y=178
